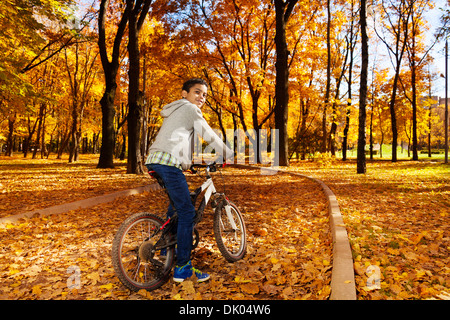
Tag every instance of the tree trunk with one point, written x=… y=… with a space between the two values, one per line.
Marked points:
x=134 y=164
x=110 y=69
x=394 y=119
x=135 y=97
x=37 y=144
x=328 y=85
x=351 y=44
x=414 y=88
x=9 y=141
x=28 y=139
x=282 y=12
x=361 y=160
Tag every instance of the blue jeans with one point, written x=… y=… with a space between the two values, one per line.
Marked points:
x=177 y=187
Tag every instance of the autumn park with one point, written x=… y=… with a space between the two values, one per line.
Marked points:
x=336 y=113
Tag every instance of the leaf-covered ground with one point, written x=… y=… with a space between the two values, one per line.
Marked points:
x=27 y=185
x=397 y=217
x=289 y=243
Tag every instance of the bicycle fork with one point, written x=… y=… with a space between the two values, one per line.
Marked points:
x=230 y=216
x=226 y=204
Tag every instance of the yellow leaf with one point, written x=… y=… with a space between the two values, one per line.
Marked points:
x=420 y=274
x=108 y=286
x=177 y=297
x=325 y=291
x=94 y=276
x=280 y=280
x=239 y=279
x=274 y=260
x=188 y=287
x=394 y=252
x=326 y=263
x=36 y=290
x=290 y=250
x=14 y=271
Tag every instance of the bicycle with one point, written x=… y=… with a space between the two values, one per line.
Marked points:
x=143 y=249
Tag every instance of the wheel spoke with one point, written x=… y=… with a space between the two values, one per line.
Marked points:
x=136 y=262
x=230 y=232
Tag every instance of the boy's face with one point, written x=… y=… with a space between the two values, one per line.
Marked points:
x=196 y=95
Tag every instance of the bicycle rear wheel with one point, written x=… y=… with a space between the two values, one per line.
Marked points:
x=136 y=262
x=229 y=231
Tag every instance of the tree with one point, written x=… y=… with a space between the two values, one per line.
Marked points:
x=283 y=10
x=81 y=73
x=414 y=49
x=361 y=157
x=395 y=17
x=328 y=86
x=351 y=39
x=110 y=69
x=25 y=25
x=139 y=10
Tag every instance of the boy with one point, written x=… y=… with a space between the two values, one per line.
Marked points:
x=171 y=153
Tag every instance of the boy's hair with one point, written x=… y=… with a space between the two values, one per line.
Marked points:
x=192 y=82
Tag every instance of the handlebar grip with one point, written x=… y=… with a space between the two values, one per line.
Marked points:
x=211 y=166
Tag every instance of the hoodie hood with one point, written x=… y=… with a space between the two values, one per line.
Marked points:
x=168 y=109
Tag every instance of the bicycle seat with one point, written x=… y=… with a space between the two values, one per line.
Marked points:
x=158 y=178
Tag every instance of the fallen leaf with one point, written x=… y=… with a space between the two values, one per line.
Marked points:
x=188 y=287
x=270 y=288
x=108 y=286
x=240 y=279
x=36 y=290
x=250 y=288
x=287 y=292
x=94 y=276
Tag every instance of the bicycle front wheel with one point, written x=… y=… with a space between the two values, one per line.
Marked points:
x=229 y=231
x=136 y=261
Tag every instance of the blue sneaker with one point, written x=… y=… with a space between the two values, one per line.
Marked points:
x=182 y=273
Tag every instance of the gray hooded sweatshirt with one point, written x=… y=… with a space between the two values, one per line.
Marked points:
x=181 y=120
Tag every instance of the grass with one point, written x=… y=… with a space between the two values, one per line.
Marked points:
x=402 y=154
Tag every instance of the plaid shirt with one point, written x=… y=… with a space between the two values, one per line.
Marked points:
x=161 y=157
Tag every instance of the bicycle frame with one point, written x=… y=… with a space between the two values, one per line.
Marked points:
x=208 y=185
x=210 y=191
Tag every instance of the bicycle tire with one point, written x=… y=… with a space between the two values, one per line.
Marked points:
x=134 y=259
x=231 y=249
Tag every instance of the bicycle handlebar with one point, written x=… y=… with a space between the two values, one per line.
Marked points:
x=212 y=166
